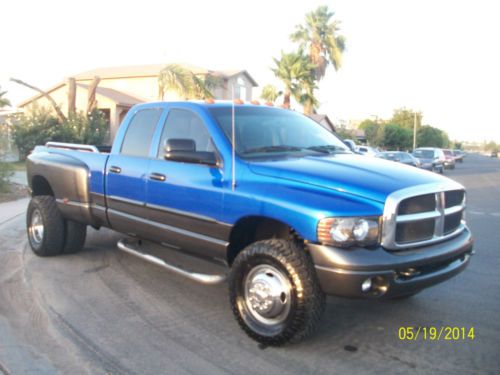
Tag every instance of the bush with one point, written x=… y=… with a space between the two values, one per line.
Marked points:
x=38 y=126
x=6 y=171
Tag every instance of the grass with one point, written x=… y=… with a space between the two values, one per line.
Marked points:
x=18 y=166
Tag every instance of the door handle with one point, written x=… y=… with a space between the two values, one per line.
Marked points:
x=114 y=169
x=157 y=177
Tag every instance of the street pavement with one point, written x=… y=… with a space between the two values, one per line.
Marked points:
x=104 y=312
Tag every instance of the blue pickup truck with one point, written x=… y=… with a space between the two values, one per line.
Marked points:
x=290 y=211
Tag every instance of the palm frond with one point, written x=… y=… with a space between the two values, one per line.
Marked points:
x=175 y=78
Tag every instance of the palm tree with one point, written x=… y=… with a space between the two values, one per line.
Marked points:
x=3 y=101
x=185 y=83
x=320 y=37
x=294 y=69
x=306 y=96
x=270 y=93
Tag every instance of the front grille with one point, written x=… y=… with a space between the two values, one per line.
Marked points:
x=415 y=231
x=415 y=205
x=454 y=198
x=422 y=215
x=452 y=222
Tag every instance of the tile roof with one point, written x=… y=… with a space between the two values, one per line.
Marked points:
x=118 y=97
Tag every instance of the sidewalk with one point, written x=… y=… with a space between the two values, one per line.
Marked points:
x=10 y=210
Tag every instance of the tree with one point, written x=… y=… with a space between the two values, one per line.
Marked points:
x=373 y=132
x=294 y=70
x=306 y=95
x=406 y=117
x=428 y=136
x=38 y=125
x=270 y=93
x=185 y=83
x=397 y=137
x=4 y=102
x=52 y=102
x=344 y=133
x=319 y=35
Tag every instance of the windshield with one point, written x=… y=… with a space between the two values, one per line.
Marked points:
x=263 y=130
x=424 y=154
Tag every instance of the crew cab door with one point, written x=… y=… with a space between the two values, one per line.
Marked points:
x=184 y=198
x=127 y=171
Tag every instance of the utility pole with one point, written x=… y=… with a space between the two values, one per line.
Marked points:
x=414 y=130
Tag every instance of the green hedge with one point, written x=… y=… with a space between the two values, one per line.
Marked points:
x=38 y=126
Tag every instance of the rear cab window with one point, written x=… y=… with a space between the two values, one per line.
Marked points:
x=139 y=135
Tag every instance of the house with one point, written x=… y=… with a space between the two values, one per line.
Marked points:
x=324 y=121
x=122 y=87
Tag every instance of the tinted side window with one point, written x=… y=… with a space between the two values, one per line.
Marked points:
x=185 y=124
x=140 y=132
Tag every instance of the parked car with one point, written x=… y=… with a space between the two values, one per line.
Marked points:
x=431 y=159
x=367 y=150
x=459 y=155
x=288 y=211
x=449 y=159
x=494 y=154
x=399 y=156
x=351 y=144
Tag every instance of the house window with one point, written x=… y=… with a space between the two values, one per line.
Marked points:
x=241 y=89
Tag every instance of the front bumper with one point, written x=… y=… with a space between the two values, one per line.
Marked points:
x=341 y=272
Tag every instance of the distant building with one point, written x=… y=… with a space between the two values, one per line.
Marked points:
x=122 y=87
x=324 y=121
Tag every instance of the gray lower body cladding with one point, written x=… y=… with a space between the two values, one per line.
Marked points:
x=341 y=272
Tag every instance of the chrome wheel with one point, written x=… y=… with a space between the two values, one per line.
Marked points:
x=267 y=294
x=36 y=227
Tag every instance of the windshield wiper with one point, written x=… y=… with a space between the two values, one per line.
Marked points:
x=327 y=149
x=279 y=148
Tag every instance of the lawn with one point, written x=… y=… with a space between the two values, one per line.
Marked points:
x=18 y=166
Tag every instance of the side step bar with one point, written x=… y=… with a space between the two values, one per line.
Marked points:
x=129 y=248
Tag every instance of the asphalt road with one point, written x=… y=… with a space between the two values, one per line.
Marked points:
x=102 y=311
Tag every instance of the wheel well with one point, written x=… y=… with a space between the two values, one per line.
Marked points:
x=256 y=228
x=41 y=186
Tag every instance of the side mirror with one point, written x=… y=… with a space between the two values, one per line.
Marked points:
x=184 y=150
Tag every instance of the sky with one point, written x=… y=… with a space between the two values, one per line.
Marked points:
x=439 y=57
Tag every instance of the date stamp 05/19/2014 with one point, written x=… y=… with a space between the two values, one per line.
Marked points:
x=443 y=333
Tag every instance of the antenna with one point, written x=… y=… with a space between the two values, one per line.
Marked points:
x=233 y=142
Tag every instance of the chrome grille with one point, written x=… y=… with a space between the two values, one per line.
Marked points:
x=422 y=215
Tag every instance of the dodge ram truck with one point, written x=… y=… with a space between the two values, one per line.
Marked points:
x=289 y=210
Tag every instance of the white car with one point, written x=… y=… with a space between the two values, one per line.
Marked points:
x=367 y=150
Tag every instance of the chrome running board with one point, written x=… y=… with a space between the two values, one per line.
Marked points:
x=201 y=278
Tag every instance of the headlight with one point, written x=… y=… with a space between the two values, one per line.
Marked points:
x=349 y=231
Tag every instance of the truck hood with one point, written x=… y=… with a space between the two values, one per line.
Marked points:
x=370 y=178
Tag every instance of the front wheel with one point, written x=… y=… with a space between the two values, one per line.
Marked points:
x=274 y=292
